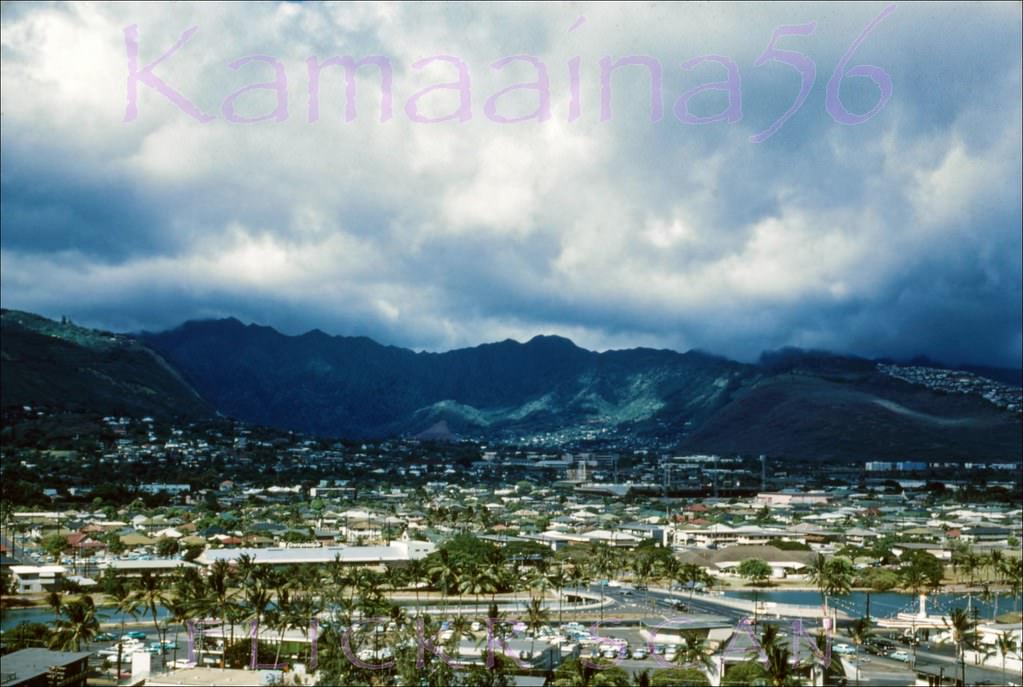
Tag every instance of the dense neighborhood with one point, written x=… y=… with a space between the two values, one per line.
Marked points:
x=559 y=567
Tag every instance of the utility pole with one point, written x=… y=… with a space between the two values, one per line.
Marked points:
x=756 y=598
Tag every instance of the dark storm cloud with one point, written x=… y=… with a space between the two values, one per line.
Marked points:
x=895 y=237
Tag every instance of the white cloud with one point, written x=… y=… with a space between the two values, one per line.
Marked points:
x=451 y=234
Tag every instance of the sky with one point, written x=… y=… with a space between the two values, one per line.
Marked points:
x=652 y=201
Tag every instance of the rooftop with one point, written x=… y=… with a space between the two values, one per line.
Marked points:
x=214 y=676
x=20 y=666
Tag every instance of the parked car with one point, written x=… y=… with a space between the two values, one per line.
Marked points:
x=900 y=655
x=106 y=637
x=879 y=647
x=843 y=649
x=134 y=634
x=639 y=653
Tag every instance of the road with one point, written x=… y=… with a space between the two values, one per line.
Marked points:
x=874 y=670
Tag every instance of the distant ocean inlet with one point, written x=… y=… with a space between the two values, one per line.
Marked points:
x=461 y=86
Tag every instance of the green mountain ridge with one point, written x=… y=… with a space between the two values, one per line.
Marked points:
x=75 y=368
x=792 y=403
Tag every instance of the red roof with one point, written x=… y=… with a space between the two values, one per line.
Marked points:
x=76 y=538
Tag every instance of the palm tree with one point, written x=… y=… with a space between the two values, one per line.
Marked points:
x=55 y=601
x=669 y=569
x=832 y=577
x=605 y=560
x=352 y=580
x=576 y=575
x=964 y=635
x=221 y=598
x=371 y=599
x=605 y=564
x=150 y=593
x=245 y=568
x=642 y=569
x=190 y=599
x=994 y=561
x=459 y=629
x=691 y=575
x=126 y=605
x=278 y=617
x=780 y=669
x=81 y=625
x=1014 y=577
x=395 y=578
x=1004 y=645
x=971 y=562
x=415 y=573
x=444 y=573
x=304 y=607
x=693 y=651
x=859 y=631
x=558 y=579
x=294 y=605
x=534 y=580
x=256 y=596
x=190 y=588
x=413 y=668
x=497 y=575
x=830 y=668
x=536 y=617
x=769 y=637
x=180 y=614
x=473 y=582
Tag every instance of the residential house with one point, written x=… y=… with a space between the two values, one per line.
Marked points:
x=35 y=579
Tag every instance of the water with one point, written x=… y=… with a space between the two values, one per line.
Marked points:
x=13 y=617
x=883 y=604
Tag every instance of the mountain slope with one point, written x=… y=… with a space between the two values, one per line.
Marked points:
x=62 y=365
x=793 y=403
x=356 y=387
x=861 y=415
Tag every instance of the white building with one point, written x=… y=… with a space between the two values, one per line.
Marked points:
x=396 y=552
x=30 y=579
x=785 y=499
